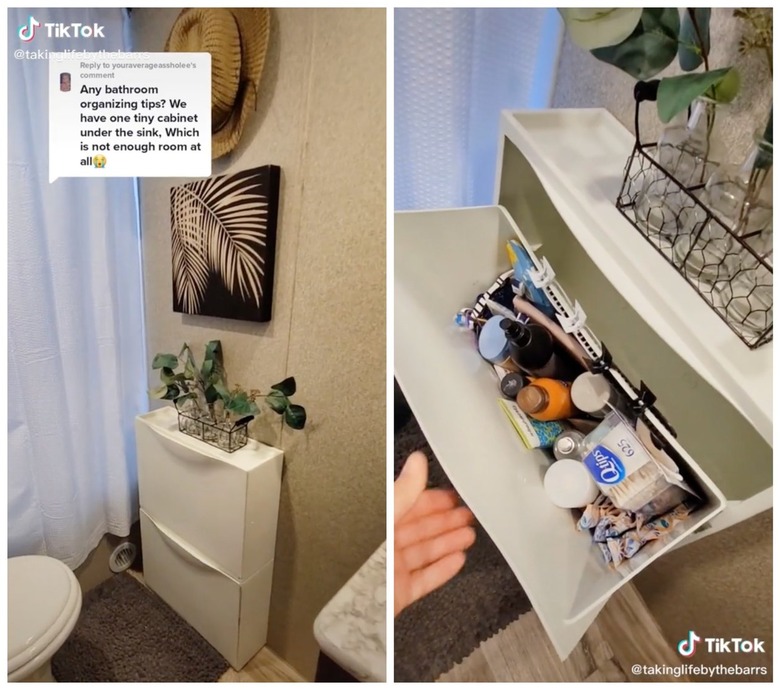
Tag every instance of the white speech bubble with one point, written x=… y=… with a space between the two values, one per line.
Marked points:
x=145 y=114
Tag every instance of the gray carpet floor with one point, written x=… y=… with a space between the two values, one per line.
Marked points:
x=126 y=633
x=440 y=630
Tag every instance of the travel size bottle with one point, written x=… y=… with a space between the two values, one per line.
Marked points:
x=532 y=349
x=547 y=400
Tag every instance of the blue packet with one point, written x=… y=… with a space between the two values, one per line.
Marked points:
x=522 y=265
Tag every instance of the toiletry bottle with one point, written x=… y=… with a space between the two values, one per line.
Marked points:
x=533 y=350
x=547 y=400
x=568 y=484
x=493 y=344
x=569 y=445
x=593 y=393
x=511 y=384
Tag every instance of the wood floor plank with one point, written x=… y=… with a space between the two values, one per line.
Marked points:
x=264 y=667
x=634 y=634
x=608 y=672
x=624 y=634
x=597 y=644
x=474 y=669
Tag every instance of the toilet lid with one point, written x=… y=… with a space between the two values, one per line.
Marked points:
x=42 y=595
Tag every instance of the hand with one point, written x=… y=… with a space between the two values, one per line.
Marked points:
x=431 y=534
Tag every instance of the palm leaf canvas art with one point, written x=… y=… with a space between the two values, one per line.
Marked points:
x=223 y=242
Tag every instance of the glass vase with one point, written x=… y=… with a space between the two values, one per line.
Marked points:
x=689 y=150
x=739 y=272
x=740 y=197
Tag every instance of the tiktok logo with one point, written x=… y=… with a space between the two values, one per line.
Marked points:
x=687 y=646
x=27 y=31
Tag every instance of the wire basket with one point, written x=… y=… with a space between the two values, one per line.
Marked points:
x=730 y=272
x=226 y=436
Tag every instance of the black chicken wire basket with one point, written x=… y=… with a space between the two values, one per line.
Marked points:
x=727 y=270
x=226 y=436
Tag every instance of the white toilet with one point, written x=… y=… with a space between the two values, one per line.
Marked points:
x=44 y=601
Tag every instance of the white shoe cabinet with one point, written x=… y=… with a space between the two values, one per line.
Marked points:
x=558 y=176
x=208 y=531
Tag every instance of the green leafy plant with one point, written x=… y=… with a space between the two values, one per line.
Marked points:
x=658 y=36
x=206 y=386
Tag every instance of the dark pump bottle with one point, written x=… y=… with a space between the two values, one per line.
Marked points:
x=532 y=348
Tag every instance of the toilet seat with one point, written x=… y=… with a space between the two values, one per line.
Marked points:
x=44 y=602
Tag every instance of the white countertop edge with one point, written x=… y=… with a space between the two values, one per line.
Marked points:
x=363 y=657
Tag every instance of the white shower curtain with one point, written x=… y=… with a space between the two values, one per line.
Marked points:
x=76 y=360
x=455 y=70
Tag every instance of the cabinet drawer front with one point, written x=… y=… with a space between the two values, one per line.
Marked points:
x=231 y=616
x=226 y=511
x=443 y=259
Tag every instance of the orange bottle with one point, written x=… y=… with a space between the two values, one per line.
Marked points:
x=547 y=400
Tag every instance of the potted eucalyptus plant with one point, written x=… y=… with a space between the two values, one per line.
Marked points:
x=211 y=410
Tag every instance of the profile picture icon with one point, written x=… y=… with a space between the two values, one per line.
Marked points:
x=64 y=81
x=99 y=161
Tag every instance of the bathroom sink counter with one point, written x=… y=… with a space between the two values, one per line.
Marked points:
x=351 y=628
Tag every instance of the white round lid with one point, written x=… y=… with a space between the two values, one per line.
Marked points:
x=41 y=596
x=591 y=392
x=568 y=484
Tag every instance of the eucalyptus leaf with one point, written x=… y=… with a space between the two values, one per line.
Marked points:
x=168 y=376
x=211 y=394
x=212 y=360
x=165 y=360
x=651 y=47
x=221 y=389
x=694 y=45
x=295 y=416
x=160 y=392
x=675 y=94
x=240 y=404
x=287 y=386
x=764 y=157
x=165 y=392
x=277 y=401
x=593 y=28
x=726 y=89
x=214 y=350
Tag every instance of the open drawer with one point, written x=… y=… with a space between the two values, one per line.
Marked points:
x=443 y=260
x=558 y=175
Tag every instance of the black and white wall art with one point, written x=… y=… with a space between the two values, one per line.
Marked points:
x=223 y=241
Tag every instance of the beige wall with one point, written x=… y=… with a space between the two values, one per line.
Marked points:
x=720 y=586
x=321 y=117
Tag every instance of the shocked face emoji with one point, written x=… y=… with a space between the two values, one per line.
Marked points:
x=99 y=161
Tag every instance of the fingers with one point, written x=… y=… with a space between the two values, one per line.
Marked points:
x=424 y=553
x=408 y=532
x=436 y=574
x=410 y=484
x=431 y=501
